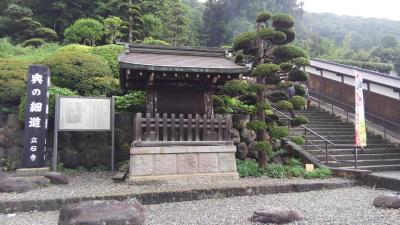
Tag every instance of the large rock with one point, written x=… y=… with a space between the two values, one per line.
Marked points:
x=275 y=215
x=248 y=136
x=241 y=151
x=13 y=184
x=387 y=201
x=252 y=151
x=71 y=157
x=235 y=134
x=240 y=121
x=56 y=178
x=129 y=212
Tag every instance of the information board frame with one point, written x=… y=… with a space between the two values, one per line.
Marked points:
x=57 y=127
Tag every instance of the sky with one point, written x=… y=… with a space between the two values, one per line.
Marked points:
x=388 y=9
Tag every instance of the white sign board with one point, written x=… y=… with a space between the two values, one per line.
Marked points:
x=84 y=114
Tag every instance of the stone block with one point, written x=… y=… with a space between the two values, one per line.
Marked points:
x=226 y=162
x=141 y=165
x=208 y=163
x=165 y=164
x=32 y=171
x=187 y=163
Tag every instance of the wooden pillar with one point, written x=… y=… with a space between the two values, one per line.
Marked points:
x=122 y=78
x=208 y=101
x=150 y=94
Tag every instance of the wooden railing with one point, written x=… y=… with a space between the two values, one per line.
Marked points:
x=187 y=129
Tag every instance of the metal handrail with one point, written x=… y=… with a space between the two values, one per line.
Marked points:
x=352 y=108
x=327 y=155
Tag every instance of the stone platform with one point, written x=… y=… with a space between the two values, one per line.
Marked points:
x=182 y=163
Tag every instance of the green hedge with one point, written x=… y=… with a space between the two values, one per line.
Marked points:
x=235 y=88
x=99 y=86
x=379 y=67
x=75 y=48
x=13 y=75
x=298 y=102
x=109 y=53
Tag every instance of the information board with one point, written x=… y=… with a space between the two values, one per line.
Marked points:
x=79 y=114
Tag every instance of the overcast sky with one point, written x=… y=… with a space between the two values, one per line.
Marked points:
x=389 y=9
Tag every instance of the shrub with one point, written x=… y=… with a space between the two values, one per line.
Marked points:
x=256 y=125
x=375 y=66
x=266 y=33
x=248 y=168
x=265 y=70
x=75 y=48
x=34 y=42
x=46 y=34
x=98 y=86
x=289 y=52
x=298 y=140
x=279 y=132
x=285 y=105
x=278 y=96
x=133 y=102
x=263 y=17
x=69 y=69
x=245 y=40
x=300 y=120
x=286 y=67
x=12 y=80
x=53 y=92
x=298 y=75
x=298 y=102
x=295 y=171
x=266 y=147
x=84 y=31
x=301 y=61
x=321 y=173
x=299 y=90
x=275 y=171
x=239 y=59
x=282 y=21
x=235 y=88
x=109 y=53
x=152 y=41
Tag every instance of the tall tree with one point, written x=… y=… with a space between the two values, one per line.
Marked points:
x=273 y=59
x=112 y=28
x=177 y=24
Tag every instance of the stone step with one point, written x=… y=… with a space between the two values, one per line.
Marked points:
x=349 y=151
x=346 y=141
x=363 y=156
x=329 y=122
x=349 y=146
x=349 y=163
x=330 y=126
x=343 y=137
x=377 y=168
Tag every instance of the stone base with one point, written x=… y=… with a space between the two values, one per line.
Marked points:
x=32 y=171
x=182 y=164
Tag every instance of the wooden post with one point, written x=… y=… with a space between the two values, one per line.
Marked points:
x=181 y=136
x=157 y=126
x=197 y=127
x=165 y=127
x=190 y=127
x=138 y=131
x=220 y=135
x=172 y=127
x=205 y=127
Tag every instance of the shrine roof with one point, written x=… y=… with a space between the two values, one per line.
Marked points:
x=179 y=59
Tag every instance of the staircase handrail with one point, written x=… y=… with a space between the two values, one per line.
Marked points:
x=305 y=136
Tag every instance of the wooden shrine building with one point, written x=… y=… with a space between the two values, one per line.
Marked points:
x=179 y=136
x=177 y=79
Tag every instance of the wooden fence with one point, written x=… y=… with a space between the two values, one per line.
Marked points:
x=182 y=128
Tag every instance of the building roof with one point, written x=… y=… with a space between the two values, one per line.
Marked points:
x=179 y=59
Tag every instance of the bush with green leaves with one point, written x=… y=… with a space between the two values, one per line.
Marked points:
x=246 y=40
x=299 y=90
x=256 y=125
x=288 y=52
x=229 y=105
x=109 y=53
x=321 y=173
x=299 y=140
x=75 y=48
x=278 y=133
x=265 y=70
x=99 y=86
x=12 y=80
x=133 y=102
x=46 y=34
x=235 y=88
x=298 y=75
x=285 y=105
x=34 y=42
x=282 y=21
x=275 y=170
x=84 y=31
x=69 y=69
x=278 y=96
x=53 y=93
x=248 y=168
x=300 y=120
x=298 y=102
x=152 y=41
x=263 y=17
x=375 y=66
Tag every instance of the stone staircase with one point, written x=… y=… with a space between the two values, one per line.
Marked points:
x=379 y=155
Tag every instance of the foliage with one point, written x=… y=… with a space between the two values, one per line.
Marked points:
x=53 y=93
x=99 y=86
x=389 y=41
x=46 y=34
x=109 y=53
x=133 y=102
x=152 y=41
x=112 y=28
x=285 y=105
x=375 y=66
x=321 y=173
x=299 y=90
x=153 y=26
x=263 y=17
x=177 y=24
x=75 y=48
x=256 y=125
x=300 y=120
x=298 y=75
x=298 y=140
x=12 y=80
x=84 y=31
x=298 y=102
x=235 y=88
x=265 y=147
x=68 y=69
x=288 y=52
x=245 y=40
x=62 y=169
x=34 y=42
x=286 y=67
x=279 y=132
x=282 y=21
x=301 y=61
x=248 y=168
x=278 y=96
x=275 y=171
x=228 y=105
x=265 y=70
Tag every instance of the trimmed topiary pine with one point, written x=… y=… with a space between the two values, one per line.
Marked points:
x=298 y=102
x=279 y=133
x=12 y=80
x=235 y=88
x=300 y=120
x=34 y=42
x=285 y=105
x=99 y=86
x=298 y=75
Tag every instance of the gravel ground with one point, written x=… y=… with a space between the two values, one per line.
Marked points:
x=350 y=206
x=100 y=184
